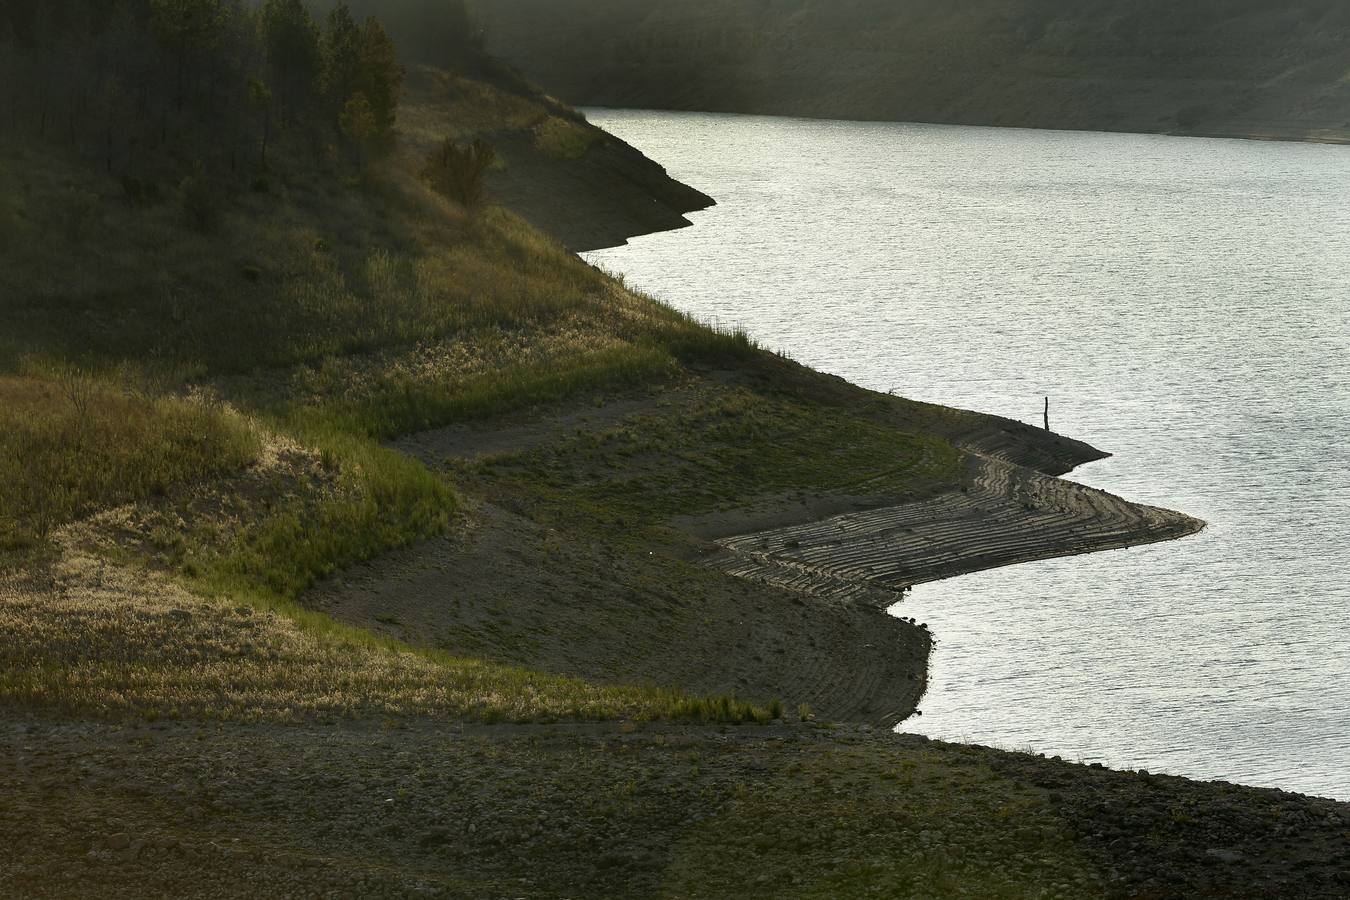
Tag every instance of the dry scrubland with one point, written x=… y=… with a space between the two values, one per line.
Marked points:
x=353 y=541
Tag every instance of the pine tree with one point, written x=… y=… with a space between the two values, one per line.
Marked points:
x=380 y=77
x=358 y=123
x=186 y=29
x=292 y=42
x=341 y=53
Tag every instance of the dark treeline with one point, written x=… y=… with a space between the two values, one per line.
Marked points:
x=1221 y=67
x=437 y=32
x=218 y=84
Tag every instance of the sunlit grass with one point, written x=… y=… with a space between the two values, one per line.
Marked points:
x=70 y=444
x=730 y=446
x=109 y=641
x=559 y=138
x=381 y=501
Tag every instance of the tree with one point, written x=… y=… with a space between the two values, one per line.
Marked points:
x=292 y=42
x=341 y=54
x=358 y=123
x=380 y=77
x=260 y=98
x=186 y=28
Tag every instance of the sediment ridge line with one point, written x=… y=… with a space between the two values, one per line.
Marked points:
x=1005 y=514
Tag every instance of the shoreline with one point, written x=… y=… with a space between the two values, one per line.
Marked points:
x=1003 y=514
x=1290 y=137
x=812 y=575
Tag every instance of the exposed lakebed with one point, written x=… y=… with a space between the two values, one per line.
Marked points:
x=1185 y=303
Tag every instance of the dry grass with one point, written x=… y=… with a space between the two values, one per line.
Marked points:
x=447 y=104
x=333 y=314
x=559 y=138
x=98 y=639
x=70 y=444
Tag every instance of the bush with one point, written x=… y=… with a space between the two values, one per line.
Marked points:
x=457 y=171
x=140 y=192
x=201 y=201
x=560 y=139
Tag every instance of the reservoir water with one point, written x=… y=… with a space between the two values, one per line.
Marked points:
x=1185 y=304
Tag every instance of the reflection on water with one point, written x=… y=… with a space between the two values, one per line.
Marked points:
x=1185 y=303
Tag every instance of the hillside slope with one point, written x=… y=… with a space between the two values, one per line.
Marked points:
x=356 y=538
x=1251 y=69
x=557 y=171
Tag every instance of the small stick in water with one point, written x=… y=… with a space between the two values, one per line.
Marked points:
x=1047 y=413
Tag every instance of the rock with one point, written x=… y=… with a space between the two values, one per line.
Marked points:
x=1225 y=856
x=119 y=841
x=434 y=837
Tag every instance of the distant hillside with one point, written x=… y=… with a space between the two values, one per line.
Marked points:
x=1254 y=68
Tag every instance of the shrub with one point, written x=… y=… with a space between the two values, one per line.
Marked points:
x=140 y=192
x=458 y=171
x=201 y=201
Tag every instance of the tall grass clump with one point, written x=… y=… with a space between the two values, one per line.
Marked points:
x=70 y=444
x=383 y=500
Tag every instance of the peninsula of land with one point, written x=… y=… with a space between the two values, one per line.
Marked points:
x=359 y=539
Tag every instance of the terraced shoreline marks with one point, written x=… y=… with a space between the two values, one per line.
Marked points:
x=1004 y=514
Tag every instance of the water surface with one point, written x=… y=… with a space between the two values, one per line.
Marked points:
x=1184 y=303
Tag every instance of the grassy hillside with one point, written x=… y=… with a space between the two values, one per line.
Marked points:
x=354 y=533
x=214 y=325
x=1254 y=68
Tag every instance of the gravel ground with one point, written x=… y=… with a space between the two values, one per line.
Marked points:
x=404 y=809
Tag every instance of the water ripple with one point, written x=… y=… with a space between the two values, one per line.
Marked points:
x=1186 y=305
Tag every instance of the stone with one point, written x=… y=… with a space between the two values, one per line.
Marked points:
x=119 y=841
x=434 y=837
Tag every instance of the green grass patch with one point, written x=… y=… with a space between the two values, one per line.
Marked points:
x=729 y=448
x=383 y=501
x=398 y=405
